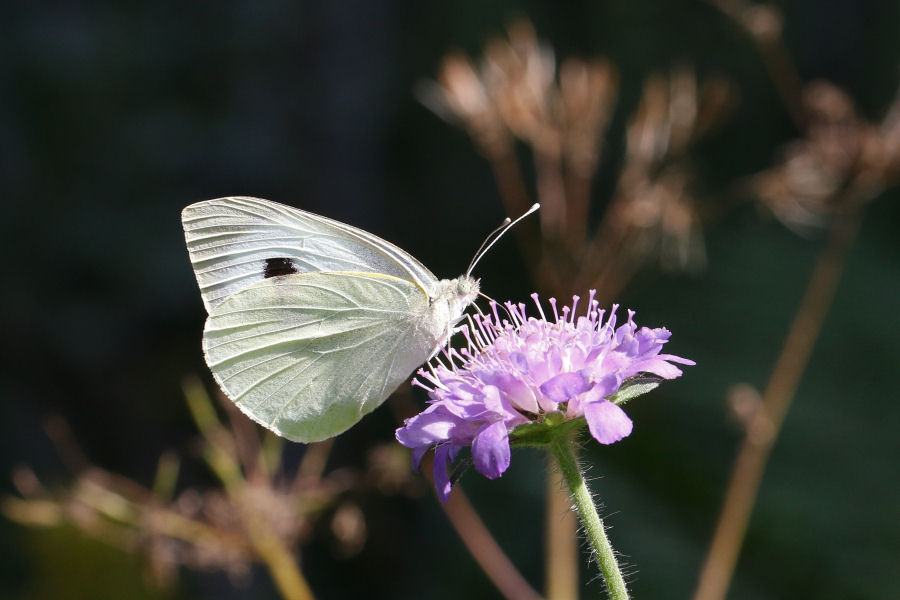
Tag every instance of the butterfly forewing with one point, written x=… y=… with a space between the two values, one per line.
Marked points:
x=232 y=242
x=307 y=355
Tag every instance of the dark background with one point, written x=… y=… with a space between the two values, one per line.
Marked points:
x=113 y=117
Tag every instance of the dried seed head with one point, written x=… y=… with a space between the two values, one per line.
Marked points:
x=839 y=148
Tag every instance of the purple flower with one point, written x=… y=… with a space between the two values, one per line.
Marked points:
x=514 y=372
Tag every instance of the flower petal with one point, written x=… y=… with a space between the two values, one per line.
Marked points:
x=519 y=361
x=490 y=397
x=605 y=386
x=516 y=391
x=656 y=366
x=565 y=386
x=417 y=455
x=428 y=427
x=607 y=422
x=490 y=450
x=441 y=478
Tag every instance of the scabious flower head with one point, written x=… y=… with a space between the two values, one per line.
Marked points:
x=517 y=371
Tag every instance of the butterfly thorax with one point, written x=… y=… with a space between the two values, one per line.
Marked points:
x=448 y=302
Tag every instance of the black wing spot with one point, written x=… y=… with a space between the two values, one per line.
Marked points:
x=279 y=266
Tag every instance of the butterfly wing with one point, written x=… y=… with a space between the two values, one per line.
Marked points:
x=307 y=355
x=233 y=242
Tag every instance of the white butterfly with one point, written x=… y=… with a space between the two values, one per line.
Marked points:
x=312 y=323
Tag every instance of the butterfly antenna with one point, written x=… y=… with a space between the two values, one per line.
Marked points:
x=496 y=232
x=495 y=235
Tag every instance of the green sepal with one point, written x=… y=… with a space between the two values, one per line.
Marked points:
x=541 y=434
x=634 y=387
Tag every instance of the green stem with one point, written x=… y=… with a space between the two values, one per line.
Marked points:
x=561 y=446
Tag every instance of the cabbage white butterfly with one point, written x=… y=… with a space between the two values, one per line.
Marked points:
x=313 y=323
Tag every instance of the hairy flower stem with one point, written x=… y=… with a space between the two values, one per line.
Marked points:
x=561 y=446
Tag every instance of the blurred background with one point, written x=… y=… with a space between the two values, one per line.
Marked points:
x=113 y=117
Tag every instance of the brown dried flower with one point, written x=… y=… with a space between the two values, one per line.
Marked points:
x=840 y=148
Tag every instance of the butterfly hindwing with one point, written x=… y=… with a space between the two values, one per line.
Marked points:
x=237 y=241
x=308 y=354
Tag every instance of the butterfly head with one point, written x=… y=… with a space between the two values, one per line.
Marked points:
x=466 y=288
x=454 y=296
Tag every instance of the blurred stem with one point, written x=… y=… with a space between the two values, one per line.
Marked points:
x=166 y=476
x=551 y=193
x=266 y=544
x=278 y=559
x=562 y=449
x=270 y=454
x=608 y=262
x=763 y=428
x=515 y=198
x=119 y=513
x=68 y=450
x=468 y=525
x=122 y=510
x=220 y=460
x=578 y=204
x=245 y=439
x=763 y=22
x=509 y=182
x=561 y=557
x=482 y=546
x=314 y=459
x=784 y=76
x=312 y=465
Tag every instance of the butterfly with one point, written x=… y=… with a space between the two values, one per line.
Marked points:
x=312 y=323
